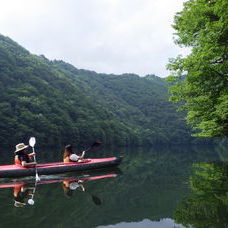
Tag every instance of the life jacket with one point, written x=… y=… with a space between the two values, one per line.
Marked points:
x=66 y=184
x=66 y=159
x=17 y=190
x=17 y=160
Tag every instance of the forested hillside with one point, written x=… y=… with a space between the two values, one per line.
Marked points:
x=60 y=104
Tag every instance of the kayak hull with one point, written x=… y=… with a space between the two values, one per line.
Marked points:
x=58 y=167
x=16 y=183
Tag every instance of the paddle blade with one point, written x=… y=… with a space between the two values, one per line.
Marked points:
x=32 y=141
x=37 y=177
x=96 y=200
x=31 y=202
x=97 y=143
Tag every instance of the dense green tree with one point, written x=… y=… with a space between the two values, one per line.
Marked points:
x=203 y=26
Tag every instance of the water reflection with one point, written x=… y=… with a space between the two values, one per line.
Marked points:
x=167 y=223
x=152 y=183
x=22 y=194
x=207 y=206
x=24 y=189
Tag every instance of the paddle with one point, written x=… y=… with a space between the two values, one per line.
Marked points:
x=32 y=142
x=95 y=144
x=96 y=200
x=31 y=201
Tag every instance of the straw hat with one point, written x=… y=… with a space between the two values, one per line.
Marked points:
x=19 y=204
x=20 y=146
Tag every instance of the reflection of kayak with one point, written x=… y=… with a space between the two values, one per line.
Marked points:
x=20 y=183
x=24 y=188
x=58 y=167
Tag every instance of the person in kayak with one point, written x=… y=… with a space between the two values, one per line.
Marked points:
x=21 y=193
x=70 y=156
x=70 y=186
x=22 y=158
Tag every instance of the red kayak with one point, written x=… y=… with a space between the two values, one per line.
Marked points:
x=58 y=167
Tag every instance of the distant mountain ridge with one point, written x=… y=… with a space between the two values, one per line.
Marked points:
x=61 y=104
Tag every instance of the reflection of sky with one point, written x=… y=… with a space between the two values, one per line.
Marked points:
x=164 y=223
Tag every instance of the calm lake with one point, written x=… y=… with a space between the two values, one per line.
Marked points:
x=158 y=187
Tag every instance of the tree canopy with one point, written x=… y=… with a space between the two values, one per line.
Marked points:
x=202 y=25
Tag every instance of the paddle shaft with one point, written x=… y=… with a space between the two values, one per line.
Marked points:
x=95 y=144
x=37 y=177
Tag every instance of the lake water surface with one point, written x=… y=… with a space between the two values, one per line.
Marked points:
x=158 y=187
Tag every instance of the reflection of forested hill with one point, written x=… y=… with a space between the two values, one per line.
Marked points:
x=58 y=103
x=152 y=183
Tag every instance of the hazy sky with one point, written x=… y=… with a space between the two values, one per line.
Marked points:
x=107 y=36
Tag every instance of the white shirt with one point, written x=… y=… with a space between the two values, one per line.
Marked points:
x=74 y=157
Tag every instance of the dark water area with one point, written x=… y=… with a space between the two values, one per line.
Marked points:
x=159 y=187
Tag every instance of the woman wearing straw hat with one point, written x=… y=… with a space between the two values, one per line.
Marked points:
x=22 y=158
x=21 y=193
